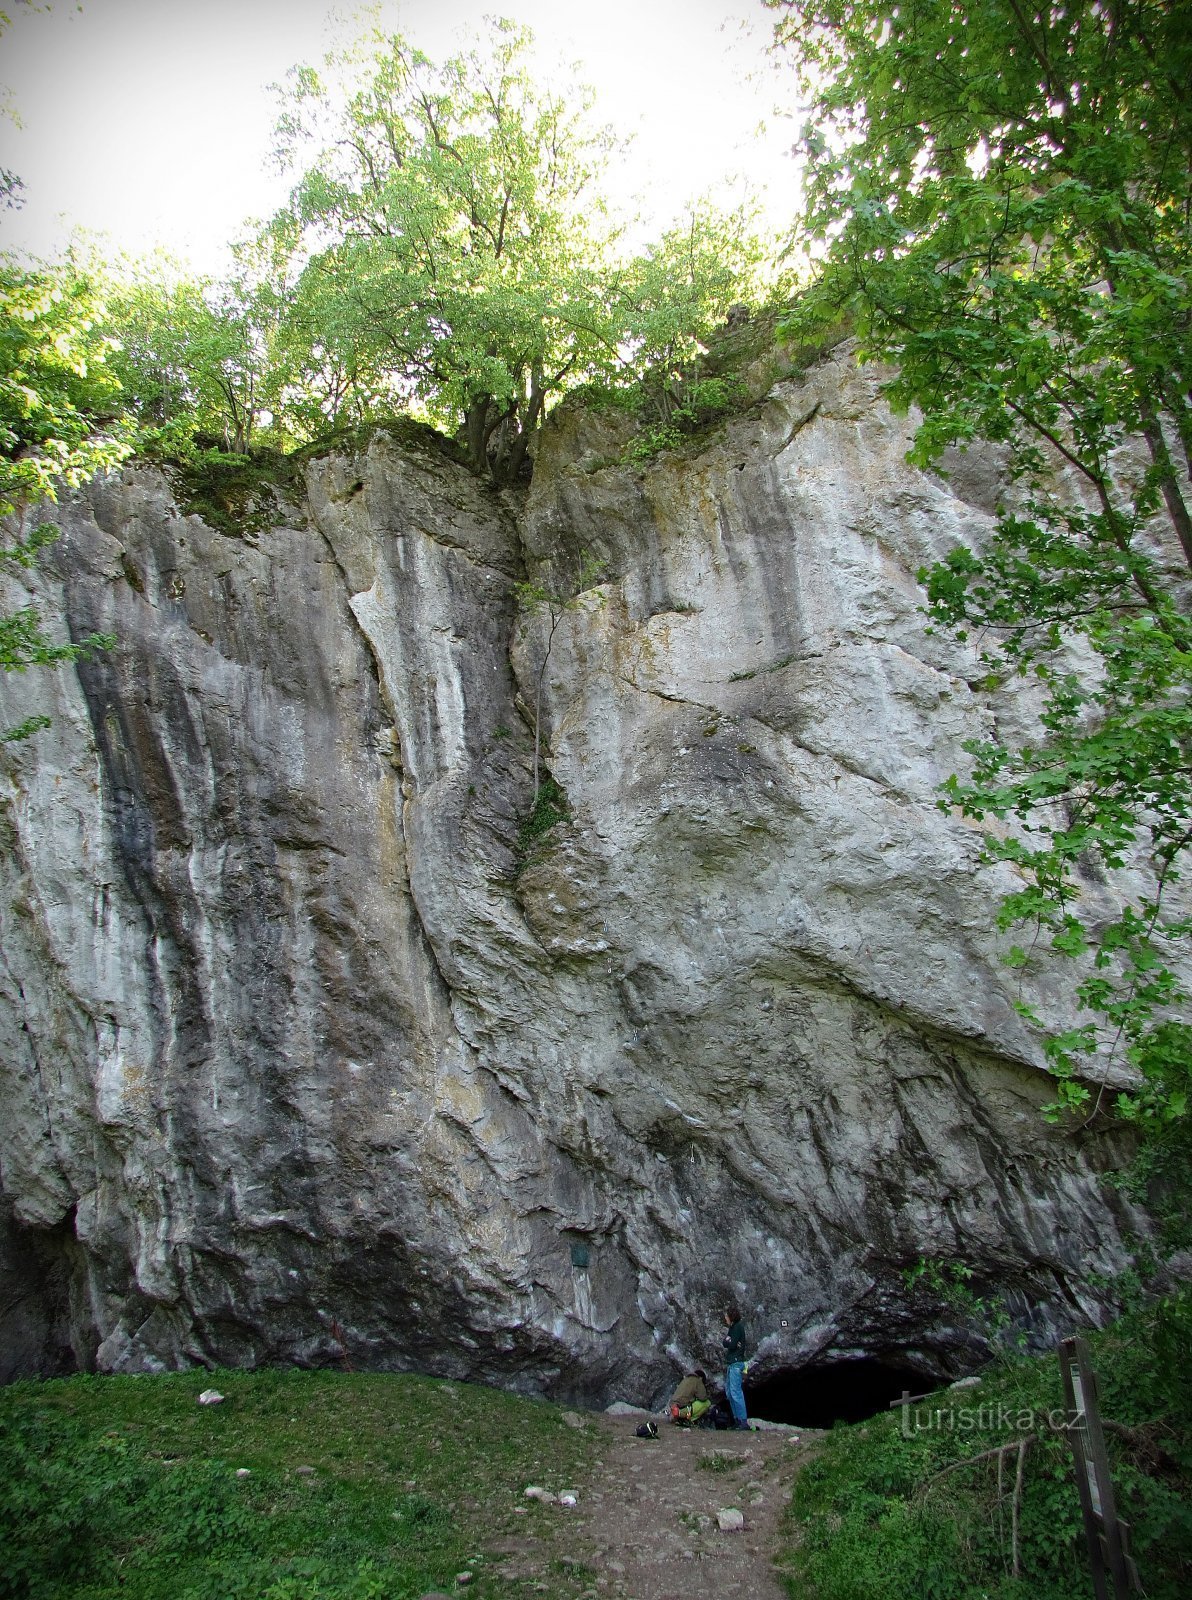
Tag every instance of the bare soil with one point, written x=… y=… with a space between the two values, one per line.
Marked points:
x=646 y=1523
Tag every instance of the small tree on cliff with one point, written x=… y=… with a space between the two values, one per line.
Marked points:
x=672 y=297
x=1000 y=195
x=448 y=233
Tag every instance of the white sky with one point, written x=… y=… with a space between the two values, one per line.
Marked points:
x=150 y=120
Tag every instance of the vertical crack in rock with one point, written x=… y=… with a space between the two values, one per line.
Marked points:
x=370 y=652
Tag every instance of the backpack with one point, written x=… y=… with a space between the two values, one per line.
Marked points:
x=717 y=1416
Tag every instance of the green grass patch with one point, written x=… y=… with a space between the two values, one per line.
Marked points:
x=126 y=1486
x=773 y=666
x=884 y=1510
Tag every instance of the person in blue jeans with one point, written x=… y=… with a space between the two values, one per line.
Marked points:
x=734 y=1355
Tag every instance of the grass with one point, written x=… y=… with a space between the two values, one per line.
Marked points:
x=891 y=1508
x=384 y=1487
x=127 y=1487
x=773 y=666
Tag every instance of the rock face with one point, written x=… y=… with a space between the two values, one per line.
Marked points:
x=303 y=1055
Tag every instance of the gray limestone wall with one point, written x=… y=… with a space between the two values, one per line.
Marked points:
x=299 y=1053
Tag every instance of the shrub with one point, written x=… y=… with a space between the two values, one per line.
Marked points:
x=905 y=1511
x=699 y=405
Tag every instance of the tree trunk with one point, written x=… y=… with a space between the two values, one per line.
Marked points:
x=521 y=444
x=1152 y=432
x=476 y=435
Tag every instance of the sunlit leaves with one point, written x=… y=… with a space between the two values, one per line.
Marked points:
x=446 y=227
x=1004 y=198
x=55 y=390
x=58 y=426
x=450 y=248
x=672 y=296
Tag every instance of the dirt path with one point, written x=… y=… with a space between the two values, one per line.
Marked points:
x=646 y=1523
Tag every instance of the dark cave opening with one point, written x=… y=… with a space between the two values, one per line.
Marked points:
x=836 y=1391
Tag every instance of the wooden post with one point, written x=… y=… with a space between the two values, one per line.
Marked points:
x=1108 y=1537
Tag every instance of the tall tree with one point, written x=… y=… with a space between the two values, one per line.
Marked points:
x=192 y=357
x=1001 y=195
x=671 y=297
x=448 y=228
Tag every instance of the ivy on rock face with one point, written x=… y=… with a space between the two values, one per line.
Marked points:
x=1001 y=197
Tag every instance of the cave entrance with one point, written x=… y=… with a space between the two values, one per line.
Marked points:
x=832 y=1391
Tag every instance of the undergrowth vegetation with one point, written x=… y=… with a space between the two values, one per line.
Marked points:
x=692 y=411
x=299 y=1486
x=233 y=493
x=912 y=1506
x=550 y=807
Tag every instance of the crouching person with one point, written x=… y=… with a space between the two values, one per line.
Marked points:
x=690 y=1400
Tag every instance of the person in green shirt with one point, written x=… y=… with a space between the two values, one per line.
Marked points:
x=690 y=1400
x=734 y=1355
x=693 y=1387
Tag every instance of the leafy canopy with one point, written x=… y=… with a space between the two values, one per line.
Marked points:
x=447 y=245
x=194 y=359
x=1000 y=194
x=58 y=426
x=445 y=249
x=447 y=224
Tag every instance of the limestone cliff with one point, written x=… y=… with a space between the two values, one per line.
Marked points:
x=301 y=1053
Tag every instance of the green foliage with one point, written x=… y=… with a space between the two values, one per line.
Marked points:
x=192 y=357
x=549 y=808
x=57 y=427
x=70 y=1492
x=234 y=493
x=1002 y=200
x=888 y=1508
x=674 y=299
x=445 y=248
x=753 y=672
x=127 y=1487
x=446 y=234
x=446 y=244
x=695 y=407
x=950 y=1282
x=1160 y=1177
x=56 y=391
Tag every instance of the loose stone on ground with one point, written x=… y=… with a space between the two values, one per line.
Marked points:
x=652 y=1522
